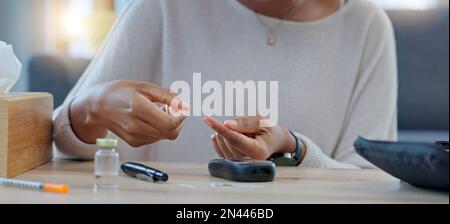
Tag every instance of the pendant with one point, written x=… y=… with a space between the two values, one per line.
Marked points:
x=271 y=39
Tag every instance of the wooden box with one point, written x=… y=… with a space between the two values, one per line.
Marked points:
x=25 y=132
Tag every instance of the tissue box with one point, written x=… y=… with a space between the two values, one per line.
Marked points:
x=25 y=132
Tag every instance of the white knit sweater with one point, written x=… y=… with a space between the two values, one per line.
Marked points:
x=337 y=75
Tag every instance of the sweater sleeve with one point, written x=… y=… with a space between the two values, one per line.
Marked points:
x=121 y=57
x=372 y=110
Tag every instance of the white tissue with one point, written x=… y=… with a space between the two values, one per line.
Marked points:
x=10 y=68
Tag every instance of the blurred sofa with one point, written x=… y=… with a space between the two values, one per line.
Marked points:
x=423 y=57
x=55 y=74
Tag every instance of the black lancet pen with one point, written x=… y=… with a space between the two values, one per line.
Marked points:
x=143 y=172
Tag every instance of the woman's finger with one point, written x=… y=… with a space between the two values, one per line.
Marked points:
x=140 y=127
x=132 y=139
x=153 y=115
x=245 y=125
x=228 y=150
x=237 y=154
x=234 y=138
x=157 y=94
x=216 y=146
x=228 y=154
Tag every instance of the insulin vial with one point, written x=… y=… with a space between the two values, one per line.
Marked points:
x=106 y=164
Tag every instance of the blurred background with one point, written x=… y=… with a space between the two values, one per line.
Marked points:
x=56 y=39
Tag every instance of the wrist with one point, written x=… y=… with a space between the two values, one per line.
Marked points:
x=305 y=149
x=292 y=153
x=302 y=147
x=290 y=143
x=83 y=122
x=296 y=147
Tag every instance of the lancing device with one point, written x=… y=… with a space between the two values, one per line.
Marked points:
x=143 y=172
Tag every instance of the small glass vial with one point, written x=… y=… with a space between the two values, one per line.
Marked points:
x=106 y=164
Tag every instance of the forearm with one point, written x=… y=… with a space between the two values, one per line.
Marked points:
x=314 y=157
x=293 y=143
x=66 y=141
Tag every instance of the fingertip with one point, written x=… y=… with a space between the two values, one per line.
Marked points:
x=231 y=123
x=185 y=106
x=209 y=122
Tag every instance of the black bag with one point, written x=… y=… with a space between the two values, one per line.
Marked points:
x=419 y=164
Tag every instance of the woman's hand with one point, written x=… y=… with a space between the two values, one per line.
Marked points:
x=127 y=109
x=244 y=138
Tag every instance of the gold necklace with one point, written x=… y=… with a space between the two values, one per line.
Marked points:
x=271 y=31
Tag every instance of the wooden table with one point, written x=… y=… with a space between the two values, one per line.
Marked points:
x=190 y=183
